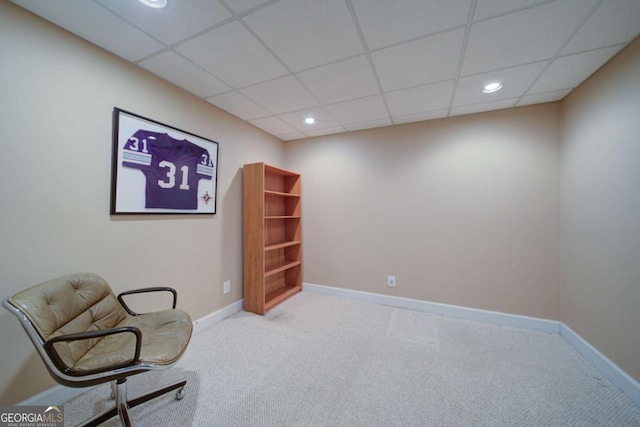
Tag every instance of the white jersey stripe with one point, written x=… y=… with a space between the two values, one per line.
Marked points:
x=135 y=157
x=136 y=162
x=205 y=170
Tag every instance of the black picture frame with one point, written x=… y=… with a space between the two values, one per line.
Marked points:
x=160 y=169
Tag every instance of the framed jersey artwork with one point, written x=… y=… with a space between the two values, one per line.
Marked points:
x=159 y=169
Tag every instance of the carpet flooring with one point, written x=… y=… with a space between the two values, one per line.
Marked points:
x=317 y=360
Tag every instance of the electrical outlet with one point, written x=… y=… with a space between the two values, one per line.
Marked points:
x=391 y=281
x=226 y=287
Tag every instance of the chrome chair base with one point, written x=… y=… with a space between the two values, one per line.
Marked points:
x=122 y=406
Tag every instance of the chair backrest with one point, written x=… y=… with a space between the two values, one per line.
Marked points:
x=77 y=303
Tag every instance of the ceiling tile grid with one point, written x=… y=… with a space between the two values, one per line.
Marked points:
x=282 y=95
x=386 y=22
x=357 y=64
x=420 y=99
x=349 y=79
x=359 y=110
x=493 y=8
x=567 y=72
x=419 y=62
x=97 y=25
x=306 y=33
x=187 y=19
x=232 y=54
x=296 y=119
x=273 y=125
x=519 y=78
x=371 y=124
x=522 y=37
x=614 y=22
x=543 y=97
x=186 y=74
x=419 y=117
x=482 y=107
x=239 y=105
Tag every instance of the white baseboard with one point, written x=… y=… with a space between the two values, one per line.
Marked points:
x=620 y=378
x=617 y=376
x=212 y=318
x=59 y=395
x=502 y=319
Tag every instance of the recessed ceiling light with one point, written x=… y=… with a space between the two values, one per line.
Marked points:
x=310 y=121
x=492 y=87
x=156 y=4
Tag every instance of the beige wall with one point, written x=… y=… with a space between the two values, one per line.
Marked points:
x=600 y=189
x=462 y=211
x=58 y=93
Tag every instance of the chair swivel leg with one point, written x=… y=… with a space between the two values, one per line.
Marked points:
x=121 y=402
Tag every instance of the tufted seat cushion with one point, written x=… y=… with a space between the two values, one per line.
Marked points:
x=165 y=335
x=84 y=302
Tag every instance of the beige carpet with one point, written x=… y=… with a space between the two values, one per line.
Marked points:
x=323 y=361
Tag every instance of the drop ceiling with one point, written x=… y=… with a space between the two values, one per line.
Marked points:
x=357 y=64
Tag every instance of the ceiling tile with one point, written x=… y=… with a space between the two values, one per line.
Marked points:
x=273 y=125
x=96 y=24
x=541 y=98
x=327 y=131
x=516 y=81
x=386 y=22
x=368 y=124
x=239 y=105
x=420 y=99
x=240 y=6
x=179 y=20
x=419 y=62
x=410 y=118
x=174 y=68
x=485 y=106
x=490 y=8
x=359 y=110
x=232 y=54
x=569 y=71
x=531 y=35
x=296 y=119
x=340 y=81
x=307 y=33
x=281 y=95
x=292 y=136
x=598 y=31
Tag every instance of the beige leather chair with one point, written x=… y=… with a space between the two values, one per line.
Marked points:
x=87 y=336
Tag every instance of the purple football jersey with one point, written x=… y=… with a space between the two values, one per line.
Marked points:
x=172 y=168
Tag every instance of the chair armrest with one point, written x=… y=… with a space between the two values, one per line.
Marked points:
x=145 y=290
x=50 y=349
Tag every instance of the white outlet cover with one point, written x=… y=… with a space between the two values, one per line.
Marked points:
x=391 y=281
x=226 y=288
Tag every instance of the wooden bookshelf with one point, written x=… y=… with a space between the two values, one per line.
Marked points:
x=272 y=236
